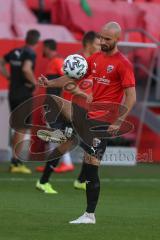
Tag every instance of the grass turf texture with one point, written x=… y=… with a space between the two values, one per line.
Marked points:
x=129 y=206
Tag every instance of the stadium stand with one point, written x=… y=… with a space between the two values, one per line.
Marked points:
x=34 y=5
x=21 y=13
x=62 y=13
x=6 y=31
x=136 y=15
x=150 y=20
x=59 y=33
x=5 y=11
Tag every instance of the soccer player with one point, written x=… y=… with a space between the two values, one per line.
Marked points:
x=113 y=82
x=91 y=45
x=22 y=83
x=55 y=70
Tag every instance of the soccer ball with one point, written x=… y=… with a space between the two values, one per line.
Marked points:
x=75 y=66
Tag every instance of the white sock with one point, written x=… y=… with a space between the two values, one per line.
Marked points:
x=66 y=158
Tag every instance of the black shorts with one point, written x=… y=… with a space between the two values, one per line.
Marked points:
x=18 y=120
x=91 y=133
x=88 y=133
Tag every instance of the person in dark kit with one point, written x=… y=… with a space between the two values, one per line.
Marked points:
x=55 y=70
x=22 y=84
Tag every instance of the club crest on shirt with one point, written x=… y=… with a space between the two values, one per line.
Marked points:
x=110 y=68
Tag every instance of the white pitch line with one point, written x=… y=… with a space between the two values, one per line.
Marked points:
x=65 y=180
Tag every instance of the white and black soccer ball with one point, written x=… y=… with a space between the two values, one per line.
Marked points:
x=75 y=66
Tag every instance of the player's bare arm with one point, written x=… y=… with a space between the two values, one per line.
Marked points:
x=3 y=68
x=66 y=83
x=62 y=82
x=130 y=99
x=57 y=83
x=28 y=72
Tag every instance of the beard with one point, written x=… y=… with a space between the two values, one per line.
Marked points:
x=106 y=48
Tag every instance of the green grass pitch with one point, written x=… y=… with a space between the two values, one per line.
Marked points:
x=128 y=209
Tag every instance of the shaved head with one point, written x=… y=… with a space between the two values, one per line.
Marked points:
x=109 y=37
x=113 y=27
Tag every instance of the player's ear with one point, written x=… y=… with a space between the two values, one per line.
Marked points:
x=119 y=35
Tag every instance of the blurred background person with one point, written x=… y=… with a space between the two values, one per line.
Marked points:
x=91 y=45
x=55 y=70
x=22 y=84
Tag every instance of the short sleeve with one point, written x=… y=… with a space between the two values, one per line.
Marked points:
x=89 y=62
x=59 y=66
x=127 y=74
x=29 y=56
x=7 y=57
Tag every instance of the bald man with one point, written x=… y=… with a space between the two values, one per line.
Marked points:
x=113 y=83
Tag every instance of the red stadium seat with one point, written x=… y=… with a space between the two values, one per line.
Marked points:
x=148 y=1
x=5 y=11
x=34 y=4
x=21 y=13
x=6 y=31
x=152 y=13
x=15 y=11
x=59 y=33
x=66 y=12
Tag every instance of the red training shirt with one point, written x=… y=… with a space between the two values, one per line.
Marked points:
x=111 y=75
x=55 y=66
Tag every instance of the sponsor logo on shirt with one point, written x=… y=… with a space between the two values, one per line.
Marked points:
x=17 y=53
x=102 y=80
x=110 y=68
x=16 y=63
